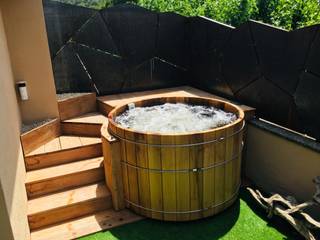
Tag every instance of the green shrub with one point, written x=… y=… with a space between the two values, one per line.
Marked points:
x=288 y=14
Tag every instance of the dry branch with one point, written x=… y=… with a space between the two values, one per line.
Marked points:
x=289 y=209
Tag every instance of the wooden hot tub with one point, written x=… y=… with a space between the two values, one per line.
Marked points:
x=180 y=177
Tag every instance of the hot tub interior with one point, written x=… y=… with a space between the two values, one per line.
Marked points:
x=174 y=118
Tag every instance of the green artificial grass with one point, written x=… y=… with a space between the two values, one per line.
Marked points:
x=245 y=220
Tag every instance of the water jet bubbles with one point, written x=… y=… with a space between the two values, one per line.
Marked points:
x=174 y=118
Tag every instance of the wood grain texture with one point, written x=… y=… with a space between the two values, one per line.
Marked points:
x=82 y=226
x=107 y=103
x=62 y=206
x=62 y=177
x=181 y=183
x=113 y=171
x=76 y=106
x=81 y=129
x=39 y=136
x=49 y=159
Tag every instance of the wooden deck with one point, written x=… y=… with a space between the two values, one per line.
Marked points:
x=85 y=225
x=107 y=103
x=92 y=117
x=65 y=182
x=64 y=143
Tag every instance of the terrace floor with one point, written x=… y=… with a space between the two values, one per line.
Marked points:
x=244 y=220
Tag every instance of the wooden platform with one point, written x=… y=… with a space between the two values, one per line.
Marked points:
x=107 y=103
x=65 y=182
x=75 y=106
x=65 y=205
x=91 y=117
x=88 y=124
x=64 y=143
x=65 y=176
x=86 y=225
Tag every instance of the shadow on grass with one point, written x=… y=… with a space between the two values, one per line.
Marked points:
x=275 y=222
x=207 y=229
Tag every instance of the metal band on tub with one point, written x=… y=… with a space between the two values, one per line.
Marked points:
x=191 y=211
x=182 y=170
x=180 y=145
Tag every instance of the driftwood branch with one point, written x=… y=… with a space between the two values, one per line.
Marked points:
x=289 y=209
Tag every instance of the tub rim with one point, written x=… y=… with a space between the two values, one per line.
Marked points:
x=240 y=114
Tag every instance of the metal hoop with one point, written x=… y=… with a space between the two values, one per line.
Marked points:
x=179 y=145
x=182 y=170
x=186 y=212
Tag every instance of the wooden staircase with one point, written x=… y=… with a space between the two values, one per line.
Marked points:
x=65 y=180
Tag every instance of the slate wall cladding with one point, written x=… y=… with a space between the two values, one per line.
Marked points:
x=128 y=48
x=119 y=49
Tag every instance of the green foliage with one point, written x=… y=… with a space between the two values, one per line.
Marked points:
x=288 y=14
x=97 y=4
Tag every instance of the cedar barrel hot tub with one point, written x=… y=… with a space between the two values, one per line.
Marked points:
x=180 y=177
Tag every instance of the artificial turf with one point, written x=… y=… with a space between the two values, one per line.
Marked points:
x=245 y=220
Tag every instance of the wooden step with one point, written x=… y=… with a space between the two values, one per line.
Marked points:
x=65 y=176
x=86 y=225
x=88 y=124
x=40 y=135
x=63 y=149
x=76 y=106
x=62 y=206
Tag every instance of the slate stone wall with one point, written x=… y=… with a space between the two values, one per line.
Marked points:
x=274 y=70
x=128 y=48
x=119 y=49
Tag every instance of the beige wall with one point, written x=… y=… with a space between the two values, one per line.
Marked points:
x=278 y=165
x=12 y=170
x=29 y=52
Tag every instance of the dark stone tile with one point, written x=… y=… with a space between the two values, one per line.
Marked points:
x=281 y=54
x=218 y=35
x=107 y=72
x=133 y=30
x=207 y=35
x=172 y=39
x=198 y=35
x=239 y=63
x=313 y=63
x=307 y=100
x=270 y=101
x=96 y=35
x=165 y=75
x=62 y=22
x=206 y=74
x=69 y=75
x=139 y=78
x=153 y=74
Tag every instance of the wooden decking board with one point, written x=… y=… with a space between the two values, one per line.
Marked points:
x=39 y=136
x=63 y=156
x=88 y=140
x=39 y=150
x=77 y=202
x=53 y=145
x=93 y=117
x=64 y=169
x=88 y=124
x=57 y=184
x=69 y=142
x=106 y=103
x=76 y=106
x=63 y=143
x=86 y=225
x=68 y=197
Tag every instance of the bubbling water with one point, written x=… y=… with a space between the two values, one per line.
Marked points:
x=174 y=118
